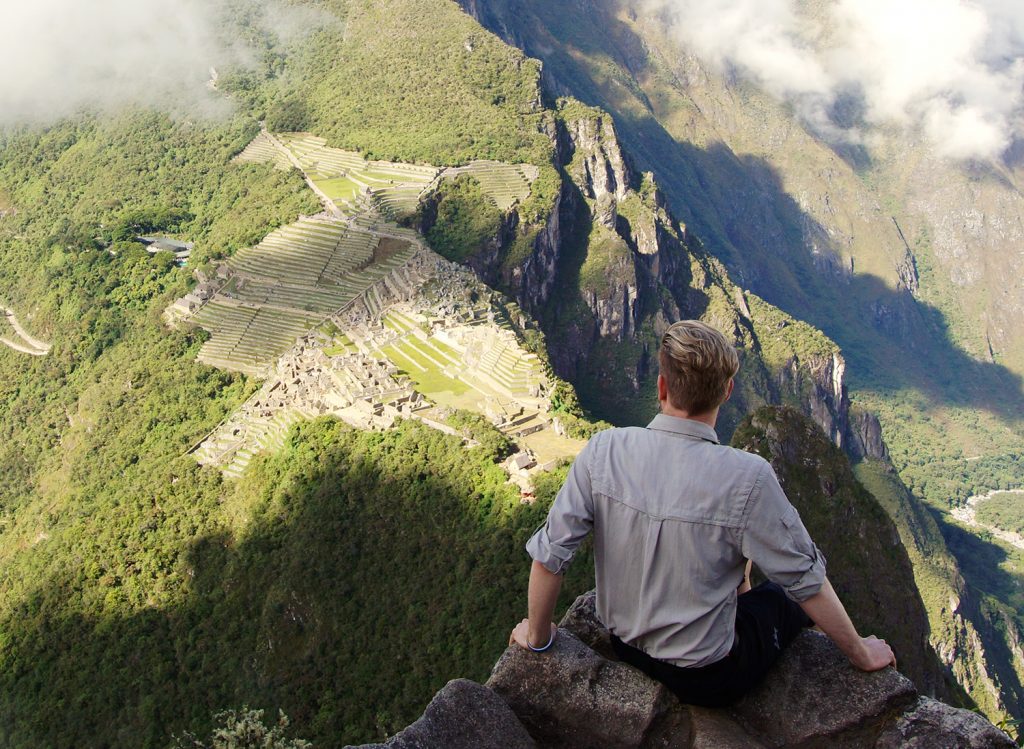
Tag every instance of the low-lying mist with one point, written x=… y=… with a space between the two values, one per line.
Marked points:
x=952 y=70
x=59 y=57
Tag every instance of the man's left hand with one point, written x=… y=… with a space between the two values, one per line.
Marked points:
x=521 y=636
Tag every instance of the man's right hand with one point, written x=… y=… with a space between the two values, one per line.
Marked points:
x=521 y=636
x=874 y=655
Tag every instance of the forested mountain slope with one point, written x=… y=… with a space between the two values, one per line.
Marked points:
x=346 y=578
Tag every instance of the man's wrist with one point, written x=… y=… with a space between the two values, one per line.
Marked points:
x=857 y=652
x=540 y=649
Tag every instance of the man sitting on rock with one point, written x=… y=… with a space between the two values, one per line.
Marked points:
x=676 y=516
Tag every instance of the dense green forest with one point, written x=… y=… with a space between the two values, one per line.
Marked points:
x=140 y=594
x=344 y=580
x=1004 y=510
x=463 y=219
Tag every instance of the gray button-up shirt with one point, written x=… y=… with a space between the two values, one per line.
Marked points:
x=674 y=516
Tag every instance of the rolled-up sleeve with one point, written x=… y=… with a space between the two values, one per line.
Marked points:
x=569 y=521
x=776 y=540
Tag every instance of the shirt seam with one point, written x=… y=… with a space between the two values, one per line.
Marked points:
x=684 y=434
x=663 y=518
x=748 y=506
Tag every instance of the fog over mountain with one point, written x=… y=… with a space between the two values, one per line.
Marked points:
x=61 y=56
x=951 y=70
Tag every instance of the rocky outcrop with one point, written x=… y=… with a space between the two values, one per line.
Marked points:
x=820 y=380
x=866 y=436
x=930 y=723
x=463 y=715
x=573 y=697
x=624 y=267
x=815 y=695
x=577 y=699
x=589 y=147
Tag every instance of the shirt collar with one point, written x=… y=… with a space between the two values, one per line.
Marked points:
x=685 y=427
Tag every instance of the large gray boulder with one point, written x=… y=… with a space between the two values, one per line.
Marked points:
x=463 y=715
x=581 y=619
x=571 y=697
x=814 y=697
x=935 y=724
x=574 y=697
x=717 y=729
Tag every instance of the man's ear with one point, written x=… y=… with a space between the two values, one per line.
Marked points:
x=728 y=389
x=662 y=388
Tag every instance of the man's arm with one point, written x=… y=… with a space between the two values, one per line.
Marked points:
x=776 y=540
x=538 y=630
x=552 y=547
x=828 y=612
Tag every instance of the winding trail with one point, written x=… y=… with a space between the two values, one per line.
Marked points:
x=30 y=345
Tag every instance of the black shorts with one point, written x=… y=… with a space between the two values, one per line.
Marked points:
x=766 y=621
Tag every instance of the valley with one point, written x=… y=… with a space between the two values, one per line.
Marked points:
x=1012 y=503
x=890 y=252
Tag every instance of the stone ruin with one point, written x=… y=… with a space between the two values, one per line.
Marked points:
x=355 y=382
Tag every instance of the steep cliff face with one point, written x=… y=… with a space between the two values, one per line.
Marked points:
x=968 y=227
x=973 y=636
x=856 y=535
x=610 y=267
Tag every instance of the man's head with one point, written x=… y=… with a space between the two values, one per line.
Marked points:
x=697 y=367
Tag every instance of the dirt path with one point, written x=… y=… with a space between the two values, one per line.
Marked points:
x=968 y=514
x=30 y=344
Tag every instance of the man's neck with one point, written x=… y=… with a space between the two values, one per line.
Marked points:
x=708 y=417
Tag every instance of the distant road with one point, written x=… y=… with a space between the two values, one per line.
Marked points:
x=29 y=343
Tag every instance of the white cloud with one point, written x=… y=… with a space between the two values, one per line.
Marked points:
x=952 y=68
x=60 y=56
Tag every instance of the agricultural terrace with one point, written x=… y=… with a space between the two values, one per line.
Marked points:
x=357 y=186
x=291 y=281
x=505 y=184
x=477 y=367
x=247 y=338
x=350 y=181
x=263 y=151
x=475 y=364
x=233 y=446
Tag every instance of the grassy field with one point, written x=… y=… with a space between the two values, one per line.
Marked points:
x=337 y=188
x=547 y=445
x=431 y=381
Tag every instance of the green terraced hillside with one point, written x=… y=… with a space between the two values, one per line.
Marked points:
x=505 y=184
x=355 y=183
x=297 y=276
x=247 y=338
x=262 y=150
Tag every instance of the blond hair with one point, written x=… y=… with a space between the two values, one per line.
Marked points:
x=697 y=363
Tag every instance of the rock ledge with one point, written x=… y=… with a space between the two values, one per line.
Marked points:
x=577 y=696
